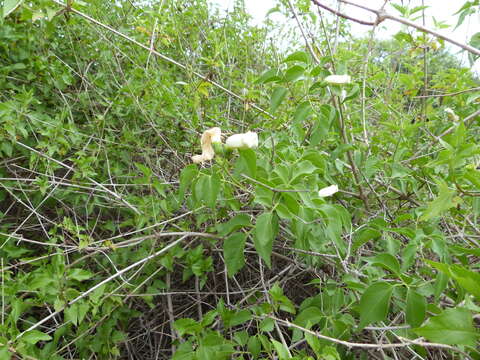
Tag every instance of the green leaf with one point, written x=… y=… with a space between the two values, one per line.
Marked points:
x=311 y=315
x=237 y=222
x=294 y=73
x=246 y=163
x=79 y=274
x=76 y=313
x=4 y=353
x=238 y=318
x=34 y=336
x=233 y=248
x=467 y=279
x=271 y=75
x=416 y=308
x=363 y=236
x=278 y=95
x=301 y=169
x=452 y=327
x=187 y=326
x=266 y=230
x=280 y=349
x=207 y=189
x=300 y=56
x=386 y=261
x=187 y=174
x=254 y=346
x=266 y=325
x=442 y=203
x=146 y=171
x=302 y=111
x=374 y=303
x=474 y=42
x=402 y=9
x=10 y=6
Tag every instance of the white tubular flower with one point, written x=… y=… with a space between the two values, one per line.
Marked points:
x=328 y=191
x=248 y=140
x=338 y=79
x=451 y=114
x=213 y=135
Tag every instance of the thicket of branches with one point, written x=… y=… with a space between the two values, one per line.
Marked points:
x=113 y=244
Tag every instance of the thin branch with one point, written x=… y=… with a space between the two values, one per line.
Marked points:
x=449 y=94
x=467 y=121
x=307 y=43
x=382 y=15
x=369 y=23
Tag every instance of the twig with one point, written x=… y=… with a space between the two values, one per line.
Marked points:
x=171 y=317
x=136 y=241
x=449 y=94
x=148 y=227
x=307 y=43
x=467 y=121
x=382 y=15
x=369 y=23
x=425 y=67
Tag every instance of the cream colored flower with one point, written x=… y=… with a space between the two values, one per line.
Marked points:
x=338 y=79
x=213 y=135
x=328 y=191
x=451 y=114
x=248 y=140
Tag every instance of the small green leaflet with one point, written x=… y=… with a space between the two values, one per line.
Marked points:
x=445 y=201
x=207 y=189
x=294 y=73
x=416 y=308
x=246 y=163
x=281 y=349
x=187 y=174
x=233 y=248
x=76 y=313
x=34 y=336
x=10 y=6
x=300 y=56
x=235 y=223
x=467 y=279
x=266 y=230
x=266 y=325
x=386 y=261
x=271 y=75
x=374 y=303
x=277 y=98
x=452 y=327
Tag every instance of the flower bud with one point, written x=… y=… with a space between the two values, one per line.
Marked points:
x=338 y=79
x=328 y=191
x=248 y=140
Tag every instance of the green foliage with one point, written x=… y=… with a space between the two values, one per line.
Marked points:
x=374 y=303
x=452 y=326
x=96 y=139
